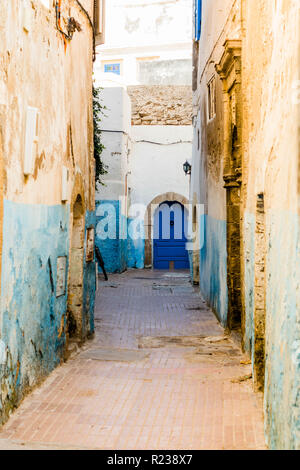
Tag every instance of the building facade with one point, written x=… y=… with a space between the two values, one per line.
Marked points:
x=144 y=161
x=245 y=190
x=47 y=192
x=148 y=43
x=145 y=68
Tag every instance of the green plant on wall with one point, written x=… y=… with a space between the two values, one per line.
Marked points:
x=98 y=113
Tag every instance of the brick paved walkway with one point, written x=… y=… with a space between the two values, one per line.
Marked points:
x=159 y=375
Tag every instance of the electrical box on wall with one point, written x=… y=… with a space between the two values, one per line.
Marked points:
x=64 y=184
x=31 y=140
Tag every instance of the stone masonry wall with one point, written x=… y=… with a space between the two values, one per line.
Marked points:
x=161 y=105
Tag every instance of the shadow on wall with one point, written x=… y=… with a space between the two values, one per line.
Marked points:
x=213 y=266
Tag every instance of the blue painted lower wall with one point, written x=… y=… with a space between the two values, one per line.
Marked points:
x=282 y=386
x=282 y=378
x=89 y=283
x=213 y=265
x=136 y=248
x=120 y=251
x=33 y=318
x=113 y=248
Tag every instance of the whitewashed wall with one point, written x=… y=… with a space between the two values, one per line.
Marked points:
x=157 y=157
x=116 y=128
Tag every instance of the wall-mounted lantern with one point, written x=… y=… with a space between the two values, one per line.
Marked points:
x=187 y=168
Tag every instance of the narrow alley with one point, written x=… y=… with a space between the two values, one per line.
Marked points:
x=159 y=374
x=150 y=225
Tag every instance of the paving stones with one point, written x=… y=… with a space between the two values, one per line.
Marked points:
x=149 y=342
x=160 y=374
x=117 y=355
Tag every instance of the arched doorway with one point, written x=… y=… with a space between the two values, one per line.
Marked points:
x=169 y=239
x=149 y=220
x=75 y=291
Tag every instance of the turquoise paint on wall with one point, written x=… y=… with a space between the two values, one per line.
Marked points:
x=282 y=377
x=89 y=282
x=282 y=382
x=113 y=250
x=213 y=265
x=122 y=251
x=31 y=314
x=33 y=318
x=136 y=248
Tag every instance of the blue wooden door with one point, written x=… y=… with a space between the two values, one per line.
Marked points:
x=169 y=241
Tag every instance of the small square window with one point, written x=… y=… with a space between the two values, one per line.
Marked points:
x=112 y=68
x=211 y=88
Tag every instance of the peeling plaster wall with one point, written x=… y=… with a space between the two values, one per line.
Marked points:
x=38 y=69
x=33 y=318
x=89 y=281
x=220 y=20
x=109 y=214
x=213 y=266
x=270 y=167
x=270 y=134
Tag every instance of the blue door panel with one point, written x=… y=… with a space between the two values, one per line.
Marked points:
x=169 y=240
x=161 y=265
x=170 y=252
x=183 y=264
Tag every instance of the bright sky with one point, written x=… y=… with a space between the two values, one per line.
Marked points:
x=133 y=22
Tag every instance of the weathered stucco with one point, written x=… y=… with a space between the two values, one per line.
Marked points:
x=33 y=318
x=208 y=164
x=213 y=266
x=113 y=246
x=252 y=46
x=37 y=69
x=270 y=134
